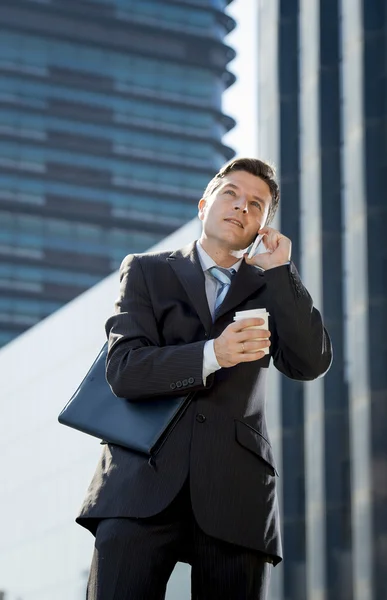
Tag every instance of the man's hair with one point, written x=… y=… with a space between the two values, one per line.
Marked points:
x=255 y=167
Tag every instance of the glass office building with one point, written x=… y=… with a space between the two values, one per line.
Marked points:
x=323 y=111
x=110 y=128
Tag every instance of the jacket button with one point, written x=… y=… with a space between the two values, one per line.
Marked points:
x=200 y=418
x=185 y=382
x=172 y=386
x=178 y=384
x=191 y=380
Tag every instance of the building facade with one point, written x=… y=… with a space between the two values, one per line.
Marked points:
x=110 y=128
x=323 y=110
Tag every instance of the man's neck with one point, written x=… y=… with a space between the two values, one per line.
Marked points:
x=224 y=257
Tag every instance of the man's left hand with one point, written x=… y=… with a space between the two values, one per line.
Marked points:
x=278 y=250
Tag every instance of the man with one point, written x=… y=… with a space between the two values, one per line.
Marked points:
x=208 y=497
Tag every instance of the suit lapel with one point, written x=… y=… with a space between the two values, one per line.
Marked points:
x=247 y=281
x=187 y=267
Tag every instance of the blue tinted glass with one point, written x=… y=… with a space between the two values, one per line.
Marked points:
x=149 y=173
x=115 y=199
x=33 y=307
x=191 y=18
x=152 y=74
x=41 y=274
x=34 y=232
x=33 y=93
x=6 y=336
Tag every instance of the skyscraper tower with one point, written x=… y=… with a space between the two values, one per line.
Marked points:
x=110 y=128
x=322 y=120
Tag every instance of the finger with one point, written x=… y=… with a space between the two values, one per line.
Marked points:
x=264 y=240
x=253 y=260
x=262 y=257
x=272 y=240
x=251 y=334
x=251 y=356
x=267 y=230
x=243 y=323
x=255 y=346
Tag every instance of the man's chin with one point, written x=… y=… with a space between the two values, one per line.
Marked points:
x=238 y=245
x=237 y=251
x=234 y=246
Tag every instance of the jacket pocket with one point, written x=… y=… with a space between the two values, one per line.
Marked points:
x=254 y=441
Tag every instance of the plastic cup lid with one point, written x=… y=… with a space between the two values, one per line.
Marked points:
x=251 y=313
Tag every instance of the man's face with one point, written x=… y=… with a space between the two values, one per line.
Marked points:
x=234 y=213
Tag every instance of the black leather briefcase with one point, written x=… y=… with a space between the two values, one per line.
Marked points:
x=142 y=426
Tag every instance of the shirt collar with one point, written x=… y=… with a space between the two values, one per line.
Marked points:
x=207 y=262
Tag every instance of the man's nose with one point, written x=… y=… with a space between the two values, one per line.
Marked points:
x=241 y=204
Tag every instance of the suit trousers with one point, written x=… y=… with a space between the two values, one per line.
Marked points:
x=133 y=559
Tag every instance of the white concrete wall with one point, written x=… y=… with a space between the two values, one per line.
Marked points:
x=45 y=468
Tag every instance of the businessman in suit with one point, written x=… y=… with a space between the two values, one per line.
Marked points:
x=208 y=497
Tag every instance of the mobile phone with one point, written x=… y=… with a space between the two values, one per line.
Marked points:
x=255 y=245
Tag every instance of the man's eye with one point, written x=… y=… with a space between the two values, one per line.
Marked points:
x=230 y=192
x=257 y=205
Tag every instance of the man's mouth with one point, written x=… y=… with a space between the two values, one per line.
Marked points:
x=235 y=221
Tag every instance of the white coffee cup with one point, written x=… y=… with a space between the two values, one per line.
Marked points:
x=260 y=313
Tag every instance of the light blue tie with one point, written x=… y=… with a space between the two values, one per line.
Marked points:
x=224 y=276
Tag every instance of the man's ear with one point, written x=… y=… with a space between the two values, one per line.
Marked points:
x=201 y=208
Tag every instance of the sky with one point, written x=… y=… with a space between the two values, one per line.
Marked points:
x=240 y=100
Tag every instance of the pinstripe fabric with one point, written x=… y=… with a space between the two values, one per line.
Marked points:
x=222 y=571
x=156 y=342
x=224 y=278
x=134 y=323
x=134 y=558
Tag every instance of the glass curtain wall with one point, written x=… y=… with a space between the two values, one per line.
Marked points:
x=110 y=128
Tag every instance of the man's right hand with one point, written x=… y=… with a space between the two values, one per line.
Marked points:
x=237 y=344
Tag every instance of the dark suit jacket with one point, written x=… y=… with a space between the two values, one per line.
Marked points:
x=156 y=341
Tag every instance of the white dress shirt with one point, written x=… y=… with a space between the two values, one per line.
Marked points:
x=210 y=363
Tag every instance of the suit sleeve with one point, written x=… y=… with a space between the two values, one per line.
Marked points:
x=301 y=347
x=138 y=366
